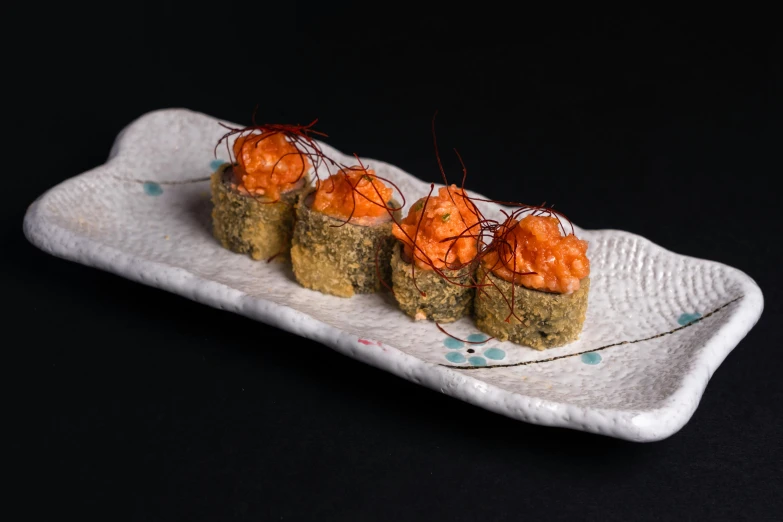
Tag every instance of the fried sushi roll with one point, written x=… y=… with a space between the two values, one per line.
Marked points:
x=343 y=241
x=533 y=284
x=252 y=224
x=432 y=263
x=254 y=198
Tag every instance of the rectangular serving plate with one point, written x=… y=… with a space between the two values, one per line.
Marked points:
x=658 y=323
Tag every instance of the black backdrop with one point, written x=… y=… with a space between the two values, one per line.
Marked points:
x=127 y=402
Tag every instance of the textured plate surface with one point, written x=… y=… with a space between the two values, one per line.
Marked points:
x=657 y=327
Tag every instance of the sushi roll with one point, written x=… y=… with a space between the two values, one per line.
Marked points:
x=432 y=263
x=533 y=283
x=254 y=197
x=343 y=241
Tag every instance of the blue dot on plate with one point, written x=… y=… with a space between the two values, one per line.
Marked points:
x=688 y=318
x=216 y=163
x=152 y=189
x=478 y=338
x=477 y=361
x=455 y=357
x=591 y=358
x=496 y=354
x=452 y=344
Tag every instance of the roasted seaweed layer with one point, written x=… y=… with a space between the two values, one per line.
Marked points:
x=252 y=225
x=443 y=302
x=339 y=259
x=548 y=319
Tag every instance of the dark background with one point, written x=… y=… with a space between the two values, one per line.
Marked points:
x=126 y=402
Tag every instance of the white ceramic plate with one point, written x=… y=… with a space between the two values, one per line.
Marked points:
x=658 y=324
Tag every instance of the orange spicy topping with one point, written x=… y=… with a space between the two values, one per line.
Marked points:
x=535 y=244
x=353 y=193
x=268 y=164
x=438 y=219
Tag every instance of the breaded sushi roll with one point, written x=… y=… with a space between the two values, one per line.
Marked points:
x=254 y=197
x=432 y=263
x=343 y=241
x=533 y=284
